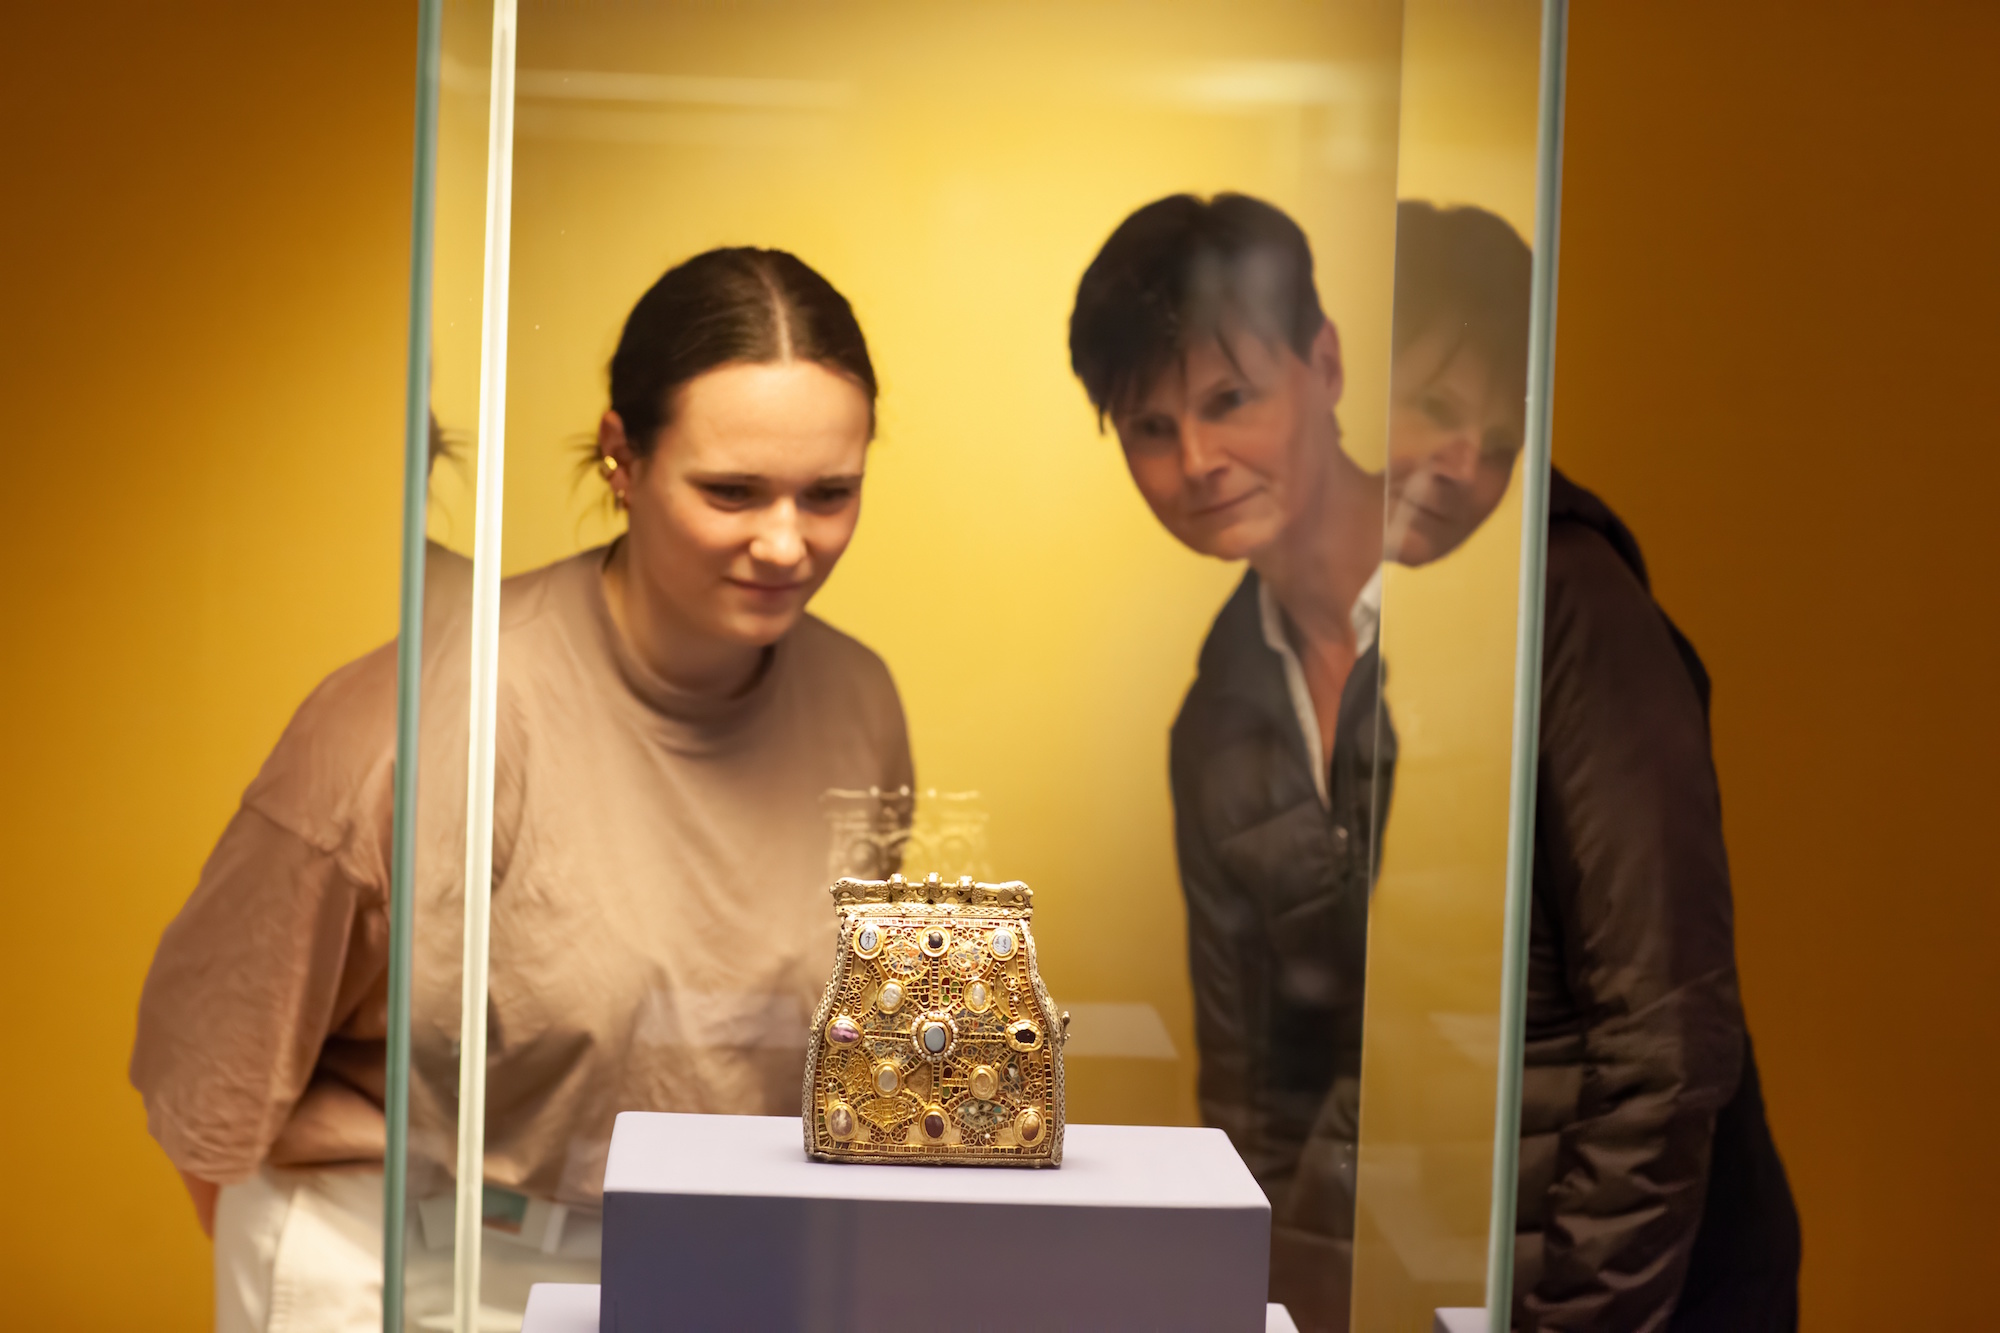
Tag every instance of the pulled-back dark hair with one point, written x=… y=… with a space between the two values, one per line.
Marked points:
x=1177 y=272
x=736 y=304
x=1465 y=268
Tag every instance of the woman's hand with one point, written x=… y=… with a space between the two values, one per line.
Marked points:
x=203 y=1193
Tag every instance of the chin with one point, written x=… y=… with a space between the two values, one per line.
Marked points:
x=1238 y=541
x=758 y=629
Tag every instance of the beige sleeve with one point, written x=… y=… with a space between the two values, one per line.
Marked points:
x=277 y=948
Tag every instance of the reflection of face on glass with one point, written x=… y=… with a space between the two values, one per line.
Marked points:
x=1228 y=448
x=1458 y=382
x=749 y=496
x=1453 y=435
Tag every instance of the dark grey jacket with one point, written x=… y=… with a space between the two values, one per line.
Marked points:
x=1277 y=887
x=1651 y=1195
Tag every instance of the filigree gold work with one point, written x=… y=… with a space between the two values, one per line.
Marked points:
x=963 y=1065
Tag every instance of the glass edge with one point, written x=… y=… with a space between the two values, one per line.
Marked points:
x=409 y=658
x=1527 y=668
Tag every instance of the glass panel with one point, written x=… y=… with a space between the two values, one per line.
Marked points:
x=1463 y=492
x=431 y=1253
x=658 y=863
x=952 y=172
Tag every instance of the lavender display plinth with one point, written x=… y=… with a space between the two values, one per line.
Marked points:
x=723 y=1222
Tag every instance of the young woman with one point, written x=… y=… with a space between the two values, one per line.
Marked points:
x=668 y=718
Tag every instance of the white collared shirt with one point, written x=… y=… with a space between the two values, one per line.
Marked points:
x=1365 y=617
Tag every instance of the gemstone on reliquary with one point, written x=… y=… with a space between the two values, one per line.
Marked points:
x=891 y=997
x=935 y=1038
x=1029 y=1125
x=934 y=1123
x=1003 y=942
x=843 y=1031
x=984 y=1083
x=978 y=996
x=887 y=1078
x=840 y=1121
x=867 y=939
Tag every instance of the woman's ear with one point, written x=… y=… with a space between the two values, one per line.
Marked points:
x=1324 y=359
x=616 y=462
x=611 y=441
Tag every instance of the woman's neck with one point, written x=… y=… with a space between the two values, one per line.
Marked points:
x=1319 y=565
x=673 y=650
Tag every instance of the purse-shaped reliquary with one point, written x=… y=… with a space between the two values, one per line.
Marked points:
x=936 y=1042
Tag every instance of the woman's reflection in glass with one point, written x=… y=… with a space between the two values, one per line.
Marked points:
x=1459 y=376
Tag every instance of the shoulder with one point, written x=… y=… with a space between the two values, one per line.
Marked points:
x=1586 y=574
x=336 y=757
x=538 y=600
x=1235 y=674
x=1608 y=649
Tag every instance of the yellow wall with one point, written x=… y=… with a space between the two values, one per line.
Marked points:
x=204 y=229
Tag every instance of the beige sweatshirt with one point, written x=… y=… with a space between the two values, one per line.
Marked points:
x=661 y=929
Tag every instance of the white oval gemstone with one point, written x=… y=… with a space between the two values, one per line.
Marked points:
x=1003 y=943
x=867 y=939
x=977 y=997
x=885 y=1079
x=891 y=997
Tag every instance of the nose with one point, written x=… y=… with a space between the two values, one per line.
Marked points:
x=1457 y=459
x=1201 y=456
x=779 y=540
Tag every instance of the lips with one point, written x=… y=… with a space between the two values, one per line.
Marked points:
x=1209 y=511
x=766 y=589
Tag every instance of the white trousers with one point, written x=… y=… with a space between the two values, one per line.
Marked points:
x=299 y=1252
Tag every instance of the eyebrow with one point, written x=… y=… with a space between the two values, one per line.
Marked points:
x=753 y=478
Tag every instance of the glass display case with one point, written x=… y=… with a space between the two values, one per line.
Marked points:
x=1203 y=412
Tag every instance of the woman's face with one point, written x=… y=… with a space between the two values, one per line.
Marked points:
x=748 y=498
x=1231 y=448
x=1453 y=437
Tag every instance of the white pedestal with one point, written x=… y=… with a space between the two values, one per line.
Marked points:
x=723 y=1222
x=573 y=1309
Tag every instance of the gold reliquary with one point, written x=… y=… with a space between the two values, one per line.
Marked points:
x=936 y=1042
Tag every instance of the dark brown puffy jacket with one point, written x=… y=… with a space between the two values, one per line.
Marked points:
x=1651 y=1194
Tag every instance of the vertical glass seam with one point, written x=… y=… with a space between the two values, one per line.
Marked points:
x=409 y=664
x=483 y=690
x=1527 y=670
